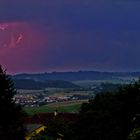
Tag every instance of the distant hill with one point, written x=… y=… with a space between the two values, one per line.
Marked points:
x=32 y=84
x=76 y=76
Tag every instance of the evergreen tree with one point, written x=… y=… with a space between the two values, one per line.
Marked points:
x=11 y=115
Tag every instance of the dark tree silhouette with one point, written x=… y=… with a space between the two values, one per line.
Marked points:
x=111 y=116
x=11 y=115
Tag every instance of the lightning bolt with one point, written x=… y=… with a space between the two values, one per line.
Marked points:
x=14 y=42
x=19 y=39
x=14 y=38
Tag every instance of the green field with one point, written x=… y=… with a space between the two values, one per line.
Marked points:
x=116 y=80
x=68 y=107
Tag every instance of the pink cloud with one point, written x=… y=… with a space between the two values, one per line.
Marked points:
x=20 y=45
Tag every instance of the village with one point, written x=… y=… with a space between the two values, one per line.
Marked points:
x=31 y=100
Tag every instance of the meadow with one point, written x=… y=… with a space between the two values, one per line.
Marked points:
x=65 y=107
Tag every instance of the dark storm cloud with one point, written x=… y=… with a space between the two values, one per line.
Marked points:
x=73 y=15
x=84 y=34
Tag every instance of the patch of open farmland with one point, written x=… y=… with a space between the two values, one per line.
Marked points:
x=69 y=107
x=115 y=80
x=26 y=91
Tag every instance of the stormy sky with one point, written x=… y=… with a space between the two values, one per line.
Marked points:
x=69 y=35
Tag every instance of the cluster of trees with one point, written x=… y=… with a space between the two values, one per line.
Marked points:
x=37 y=85
x=110 y=116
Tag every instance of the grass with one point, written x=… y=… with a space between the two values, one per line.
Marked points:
x=67 y=107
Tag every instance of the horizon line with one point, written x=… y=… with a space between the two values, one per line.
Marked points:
x=76 y=71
